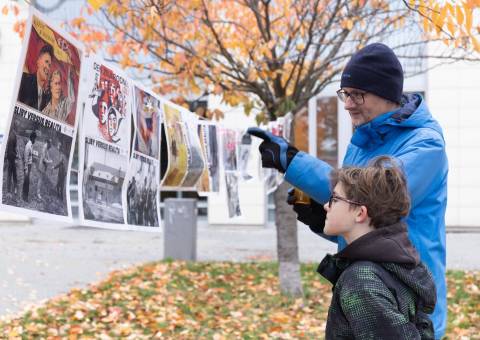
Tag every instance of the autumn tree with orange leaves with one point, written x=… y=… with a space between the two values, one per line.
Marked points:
x=271 y=56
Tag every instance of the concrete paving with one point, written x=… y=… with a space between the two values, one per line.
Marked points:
x=41 y=260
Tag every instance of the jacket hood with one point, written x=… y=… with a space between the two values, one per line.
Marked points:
x=386 y=244
x=391 y=248
x=412 y=114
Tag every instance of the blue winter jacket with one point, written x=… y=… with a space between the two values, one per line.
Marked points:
x=415 y=139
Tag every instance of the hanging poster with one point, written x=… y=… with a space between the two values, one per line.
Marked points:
x=210 y=180
x=196 y=162
x=104 y=145
x=141 y=192
x=272 y=178
x=177 y=148
x=244 y=147
x=229 y=143
x=37 y=151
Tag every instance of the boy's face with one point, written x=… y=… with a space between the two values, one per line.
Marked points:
x=340 y=215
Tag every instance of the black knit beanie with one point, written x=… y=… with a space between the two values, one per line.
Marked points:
x=376 y=69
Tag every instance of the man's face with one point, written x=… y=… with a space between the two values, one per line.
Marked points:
x=44 y=62
x=372 y=107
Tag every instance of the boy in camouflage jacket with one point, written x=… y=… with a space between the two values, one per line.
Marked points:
x=381 y=290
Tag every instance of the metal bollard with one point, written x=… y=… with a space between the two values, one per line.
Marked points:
x=180 y=229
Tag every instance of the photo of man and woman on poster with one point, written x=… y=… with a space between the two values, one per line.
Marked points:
x=41 y=125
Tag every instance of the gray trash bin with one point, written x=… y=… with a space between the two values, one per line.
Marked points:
x=180 y=229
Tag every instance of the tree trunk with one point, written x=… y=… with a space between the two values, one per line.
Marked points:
x=287 y=244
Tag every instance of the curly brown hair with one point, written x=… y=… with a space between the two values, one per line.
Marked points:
x=381 y=187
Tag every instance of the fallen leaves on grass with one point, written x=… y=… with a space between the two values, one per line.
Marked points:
x=463 y=305
x=181 y=300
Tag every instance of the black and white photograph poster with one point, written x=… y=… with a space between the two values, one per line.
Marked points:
x=37 y=151
x=141 y=188
x=105 y=142
x=142 y=193
x=229 y=146
x=105 y=167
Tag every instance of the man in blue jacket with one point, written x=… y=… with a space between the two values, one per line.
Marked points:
x=386 y=123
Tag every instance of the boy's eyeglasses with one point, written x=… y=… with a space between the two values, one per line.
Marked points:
x=335 y=198
x=357 y=97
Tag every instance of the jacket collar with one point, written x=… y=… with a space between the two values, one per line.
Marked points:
x=388 y=244
x=373 y=133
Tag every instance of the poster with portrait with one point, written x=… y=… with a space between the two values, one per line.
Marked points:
x=210 y=180
x=105 y=141
x=147 y=112
x=38 y=149
x=229 y=146
x=141 y=188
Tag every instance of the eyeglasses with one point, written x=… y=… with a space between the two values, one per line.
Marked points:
x=334 y=198
x=357 y=97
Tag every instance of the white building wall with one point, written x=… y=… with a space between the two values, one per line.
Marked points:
x=453 y=95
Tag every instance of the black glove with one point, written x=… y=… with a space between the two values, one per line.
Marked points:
x=311 y=214
x=276 y=152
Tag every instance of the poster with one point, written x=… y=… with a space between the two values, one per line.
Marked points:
x=177 y=149
x=244 y=147
x=104 y=145
x=196 y=163
x=141 y=192
x=37 y=153
x=271 y=177
x=229 y=147
x=210 y=180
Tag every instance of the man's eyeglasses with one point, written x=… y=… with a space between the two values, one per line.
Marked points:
x=335 y=198
x=357 y=97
